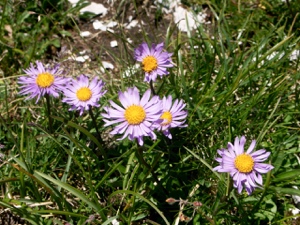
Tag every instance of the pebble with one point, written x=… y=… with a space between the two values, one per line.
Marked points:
x=113 y=44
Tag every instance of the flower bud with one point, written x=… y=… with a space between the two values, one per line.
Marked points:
x=197 y=204
x=171 y=201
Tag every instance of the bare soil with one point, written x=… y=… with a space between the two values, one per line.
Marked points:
x=98 y=45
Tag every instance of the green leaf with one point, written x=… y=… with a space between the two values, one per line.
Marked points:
x=94 y=205
x=269 y=211
x=65 y=33
x=288 y=191
x=58 y=212
x=84 y=131
x=206 y=164
x=142 y=198
x=287 y=175
x=22 y=17
x=56 y=42
x=110 y=220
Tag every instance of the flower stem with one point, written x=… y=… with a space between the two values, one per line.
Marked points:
x=152 y=88
x=49 y=113
x=149 y=168
x=228 y=185
x=267 y=183
x=95 y=124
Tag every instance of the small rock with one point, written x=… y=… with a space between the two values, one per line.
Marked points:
x=85 y=33
x=106 y=66
x=131 y=70
x=96 y=8
x=113 y=44
x=82 y=58
x=99 y=25
x=295 y=55
x=132 y=24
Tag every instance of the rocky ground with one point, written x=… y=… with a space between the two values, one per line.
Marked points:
x=102 y=40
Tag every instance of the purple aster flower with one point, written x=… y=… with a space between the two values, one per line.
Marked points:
x=40 y=81
x=173 y=115
x=82 y=94
x=136 y=117
x=154 y=60
x=244 y=167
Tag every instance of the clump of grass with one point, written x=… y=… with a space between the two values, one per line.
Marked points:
x=32 y=30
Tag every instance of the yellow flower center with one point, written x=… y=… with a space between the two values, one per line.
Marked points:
x=244 y=163
x=149 y=64
x=135 y=114
x=166 y=116
x=44 y=80
x=84 y=94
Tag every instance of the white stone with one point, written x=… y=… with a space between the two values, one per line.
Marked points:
x=295 y=211
x=129 y=40
x=96 y=8
x=113 y=44
x=186 y=20
x=115 y=222
x=73 y=2
x=167 y=5
x=82 y=58
x=106 y=65
x=112 y=24
x=110 y=30
x=133 y=23
x=131 y=70
x=85 y=33
x=99 y=25
x=295 y=55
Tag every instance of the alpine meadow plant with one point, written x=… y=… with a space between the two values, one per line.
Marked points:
x=148 y=151
x=41 y=80
x=174 y=115
x=82 y=94
x=155 y=60
x=136 y=117
x=245 y=167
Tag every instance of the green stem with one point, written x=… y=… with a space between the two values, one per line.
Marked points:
x=3 y=15
x=267 y=183
x=49 y=113
x=6 y=104
x=290 y=8
x=152 y=88
x=95 y=124
x=149 y=168
x=228 y=185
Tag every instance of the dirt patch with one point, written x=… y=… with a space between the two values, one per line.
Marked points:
x=134 y=23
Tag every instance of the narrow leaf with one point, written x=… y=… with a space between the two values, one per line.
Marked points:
x=96 y=206
x=287 y=175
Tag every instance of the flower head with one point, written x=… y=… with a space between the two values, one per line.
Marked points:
x=244 y=167
x=40 y=81
x=82 y=94
x=173 y=115
x=155 y=61
x=136 y=117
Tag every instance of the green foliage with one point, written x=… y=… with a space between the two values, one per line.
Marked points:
x=32 y=30
x=236 y=79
